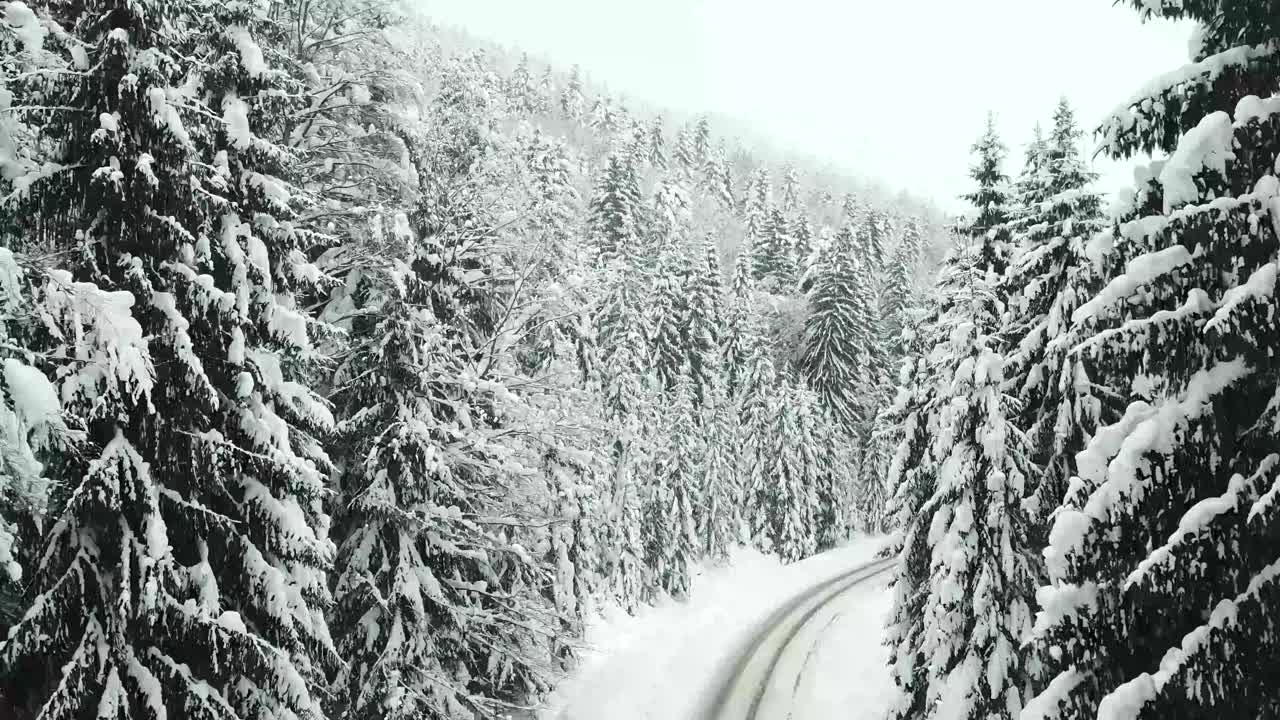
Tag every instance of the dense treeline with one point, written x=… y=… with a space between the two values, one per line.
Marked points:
x=1086 y=430
x=344 y=373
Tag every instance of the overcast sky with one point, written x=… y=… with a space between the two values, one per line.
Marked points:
x=895 y=91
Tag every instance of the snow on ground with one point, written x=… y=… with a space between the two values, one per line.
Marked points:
x=659 y=664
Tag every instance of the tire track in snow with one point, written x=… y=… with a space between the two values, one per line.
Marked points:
x=742 y=693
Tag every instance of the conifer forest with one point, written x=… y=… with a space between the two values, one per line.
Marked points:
x=352 y=364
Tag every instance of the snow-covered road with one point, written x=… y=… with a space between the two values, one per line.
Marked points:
x=673 y=662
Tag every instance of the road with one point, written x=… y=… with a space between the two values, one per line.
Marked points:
x=762 y=681
x=716 y=658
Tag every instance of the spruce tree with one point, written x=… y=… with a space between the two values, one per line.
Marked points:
x=790 y=191
x=990 y=200
x=702 y=151
x=757 y=202
x=657 y=145
x=787 y=499
x=424 y=469
x=740 y=336
x=671 y=535
x=774 y=254
x=184 y=569
x=721 y=514
x=572 y=102
x=758 y=407
x=719 y=178
x=616 y=212
x=1162 y=558
x=683 y=154
x=965 y=577
x=704 y=326
x=1048 y=279
x=837 y=334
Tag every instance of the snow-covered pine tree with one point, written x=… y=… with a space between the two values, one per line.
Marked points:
x=33 y=430
x=669 y=305
x=702 y=151
x=757 y=402
x=721 y=514
x=520 y=86
x=630 y=396
x=774 y=254
x=704 y=325
x=802 y=246
x=1048 y=278
x=741 y=333
x=432 y=620
x=670 y=529
x=938 y=469
x=838 y=334
x=719 y=177
x=572 y=102
x=978 y=604
x=600 y=116
x=545 y=93
x=965 y=577
x=683 y=155
x=871 y=234
x=911 y=478
x=1031 y=187
x=787 y=497
x=1163 y=558
x=756 y=202
x=184 y=571
x=616 y=211
x=988 y=228
x=656 y=145
x=791 y=190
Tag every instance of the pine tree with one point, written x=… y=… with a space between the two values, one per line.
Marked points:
x=838 y=334
x=616 y=221
x=872 y=237
x=958 y=476
x=657 y=145
x=1162 y=557
x=774 y=254
x=990 y=200
x=757 y=413
x=520 y=86
x=790 y=191
x=572 y=102
x=965 y=578
x=721 y=514
x=184 y=569
x=672 y=545
x=741 y=331
x=757 y=201
x=702 y=152
x=719 y=178
x=1032 y=186
x=704 y=325
x=1045 y=283
x=787 y=499
x=802 y=246
x=422 y=473
x=670 y=308
x=981 y=584
x=683 y=154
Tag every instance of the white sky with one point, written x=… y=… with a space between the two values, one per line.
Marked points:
x=894 y=90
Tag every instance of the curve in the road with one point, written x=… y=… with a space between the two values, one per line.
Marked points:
x=788 y=620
